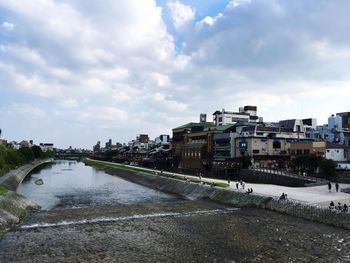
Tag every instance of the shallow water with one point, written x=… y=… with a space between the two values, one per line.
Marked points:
x=72 y=184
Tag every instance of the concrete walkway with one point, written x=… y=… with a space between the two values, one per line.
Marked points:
x=315 y=195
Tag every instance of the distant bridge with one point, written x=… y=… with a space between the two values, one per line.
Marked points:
x=72 y=156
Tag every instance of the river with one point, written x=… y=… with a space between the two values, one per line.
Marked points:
x=72 y=184
x=90 y=216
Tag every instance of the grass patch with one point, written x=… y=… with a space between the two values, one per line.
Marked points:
x=117 y=166
x=219 y=184
x=3 y=190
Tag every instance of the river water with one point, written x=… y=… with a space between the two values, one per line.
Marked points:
x=90 y=216
x=72 y=184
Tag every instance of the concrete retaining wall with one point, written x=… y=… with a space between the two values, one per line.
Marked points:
x=14 y=207
x=12 y=179
x=195 y=191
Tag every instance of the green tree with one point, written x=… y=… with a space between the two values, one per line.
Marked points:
x=27 y=153
x=37 y=151
x=309 y=163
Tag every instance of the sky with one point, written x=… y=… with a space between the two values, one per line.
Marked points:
x=73 y=72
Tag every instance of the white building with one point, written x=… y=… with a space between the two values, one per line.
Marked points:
x=163 y=139
x=46 y=147
x=336 y=152
x=245 y=114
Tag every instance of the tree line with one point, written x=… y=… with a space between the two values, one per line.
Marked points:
x=10 y=158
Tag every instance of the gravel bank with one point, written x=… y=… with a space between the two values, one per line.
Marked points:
x=244 y=235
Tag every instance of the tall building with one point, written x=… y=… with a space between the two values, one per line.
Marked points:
x=245 y=114
x=335 y=129
x=345 y=116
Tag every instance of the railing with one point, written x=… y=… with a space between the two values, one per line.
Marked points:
x=289 y=174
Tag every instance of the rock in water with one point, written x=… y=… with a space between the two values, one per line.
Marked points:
x=39 y=182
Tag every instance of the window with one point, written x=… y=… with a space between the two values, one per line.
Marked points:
x=256 y=151
x=306 y=151
x=220 y=119
x=299 y=152
x=276 y=145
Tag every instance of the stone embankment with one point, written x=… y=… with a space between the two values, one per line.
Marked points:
x=14 y=207
x=194 y=191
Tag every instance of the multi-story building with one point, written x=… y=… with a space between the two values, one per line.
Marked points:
x=97 y=147
x=345 y=116
x=317 y=148
x=335 y=129
x=245 y=114
x=163 y=139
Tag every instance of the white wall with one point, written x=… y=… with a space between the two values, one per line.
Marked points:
x=337 y=155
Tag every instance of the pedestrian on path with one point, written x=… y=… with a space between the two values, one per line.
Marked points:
x=336 y=187
x=237 y=184
x=228 y=181
x=329 y=186
x=243 y=184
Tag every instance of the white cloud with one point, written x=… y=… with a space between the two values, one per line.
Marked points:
x=30 y=111
x=8 y=26
x=69 y=103
x=115 y=65
x=181 y=14
x=208 y=21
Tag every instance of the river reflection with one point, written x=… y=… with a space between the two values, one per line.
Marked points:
x=72 y=184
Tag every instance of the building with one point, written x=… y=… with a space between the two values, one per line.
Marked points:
x=317 y=148
x=335 y=130
x=245 y=114
x=309 y=124
x=224 y=146
x=345 y=116
x=163 y=139
x=180 y=134
x=46 y=147
x=97 y=147
x=108 y=144
x=336 y=152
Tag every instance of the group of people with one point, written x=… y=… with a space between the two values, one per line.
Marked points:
x=242 y=183
x=339 y=208
x=330 y=187
x=250 y=190
x=283 y=196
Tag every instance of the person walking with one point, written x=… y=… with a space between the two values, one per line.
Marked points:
x=329 y=186
x=243 y=184
x=336 y=187
x=237 y=184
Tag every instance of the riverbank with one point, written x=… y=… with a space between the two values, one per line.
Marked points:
x=15 y=177
x=14 y=207
x=237 y=198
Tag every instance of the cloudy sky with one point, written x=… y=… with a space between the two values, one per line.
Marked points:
x=76 y=71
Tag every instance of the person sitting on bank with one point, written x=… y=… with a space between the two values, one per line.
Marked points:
x=250 y=190
x=331 y=205
x=283 y=196
x=345 y=208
